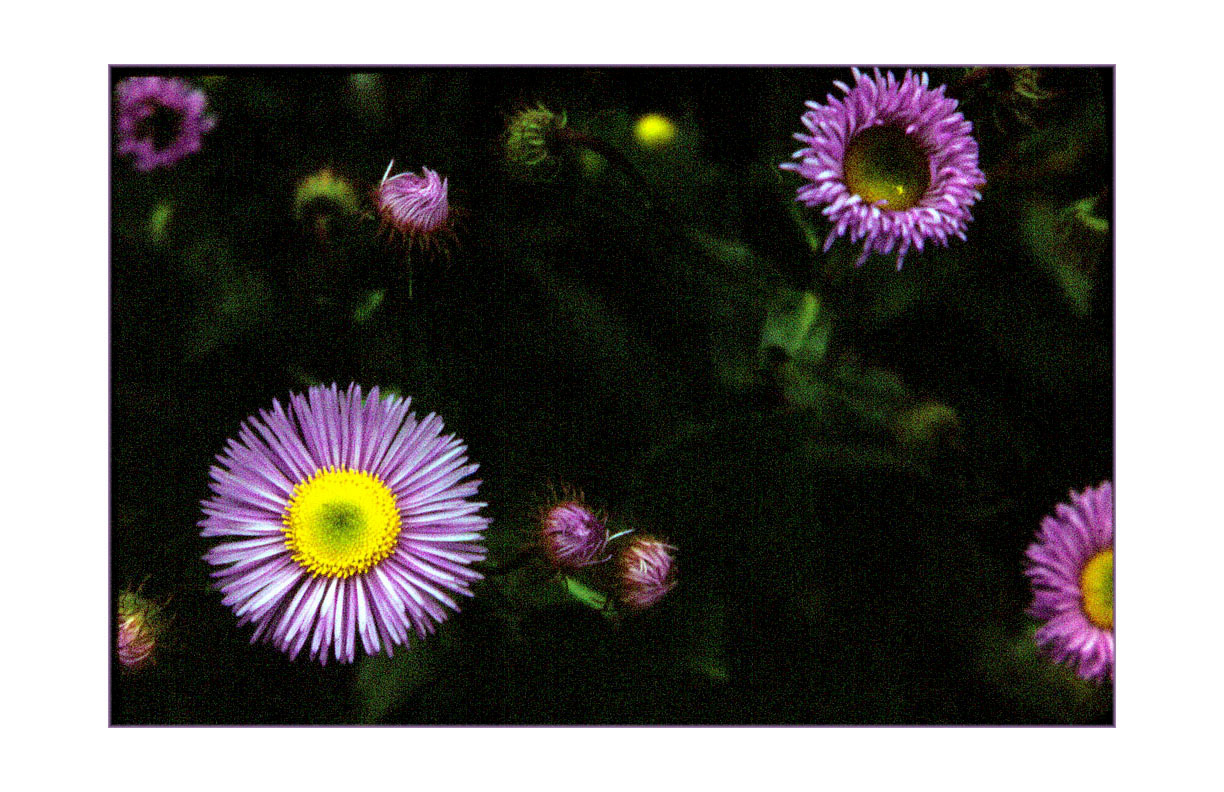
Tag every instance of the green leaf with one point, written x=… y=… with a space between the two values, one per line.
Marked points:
x=231 y=297
x=369 y=306
x=584 y=594
x=796 y=323
x=159 y=222
x=383 y=682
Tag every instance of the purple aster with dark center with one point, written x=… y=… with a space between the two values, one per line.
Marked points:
x=892 y=163
x=160 y=120
x=1071 y=568
x=573 y=536
x=646 y=571
x=350 y=518
x=415 y=206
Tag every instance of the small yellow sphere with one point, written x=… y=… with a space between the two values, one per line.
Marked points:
x=654 y=130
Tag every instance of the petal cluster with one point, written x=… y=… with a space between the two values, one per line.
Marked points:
x=409 y=590
x=1071 y=537
x=931 y=120
x=140 y=99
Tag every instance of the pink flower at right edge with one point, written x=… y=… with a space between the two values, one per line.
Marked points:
x=1071 y=570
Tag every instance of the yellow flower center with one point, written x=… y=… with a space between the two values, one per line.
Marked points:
x=884 y=163
x=341 y=522
x=1097 y=589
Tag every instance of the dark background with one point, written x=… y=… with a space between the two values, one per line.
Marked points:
x=836 y=564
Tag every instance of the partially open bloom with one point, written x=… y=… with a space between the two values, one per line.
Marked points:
x=140 y=626
x=1071 y=569
x=572 y=535
x=646 y=570
x=351 y=518
x=414 y=206
x=892 y=163
x=160 y=120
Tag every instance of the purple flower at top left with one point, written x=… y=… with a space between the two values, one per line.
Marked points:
x=160 y=120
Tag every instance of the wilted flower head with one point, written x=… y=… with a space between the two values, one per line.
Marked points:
x=160 y=120
x=1071 y=569
x=140 y=626
x=891 y=162
x=349 y=517
x=414 y=206
x=572 y=535
x=531 y=138
x=646 y=571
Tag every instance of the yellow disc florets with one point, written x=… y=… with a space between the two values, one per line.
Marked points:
x=1097 y=587
x=883 y=163
x=341 y=522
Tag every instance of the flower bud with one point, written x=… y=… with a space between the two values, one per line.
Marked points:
x=324 y=193
x=572 y=535
x=140 y=626
x=415 y=207
x=530 y=144
x=646 y=570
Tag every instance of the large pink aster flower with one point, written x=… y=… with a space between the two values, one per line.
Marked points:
x=892 y=163
x=350 y=518
x=1071 y=569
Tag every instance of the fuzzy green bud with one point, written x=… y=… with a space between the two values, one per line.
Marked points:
x=528 y=143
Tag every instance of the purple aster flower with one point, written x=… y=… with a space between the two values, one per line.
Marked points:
x=351 y=518
x=160 y=120
x=892 y=163
x=1071 y=569
x=646 y=571
x=415 y=207
x=573 y=536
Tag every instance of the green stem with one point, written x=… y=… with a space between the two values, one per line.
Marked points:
x=566 y=136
